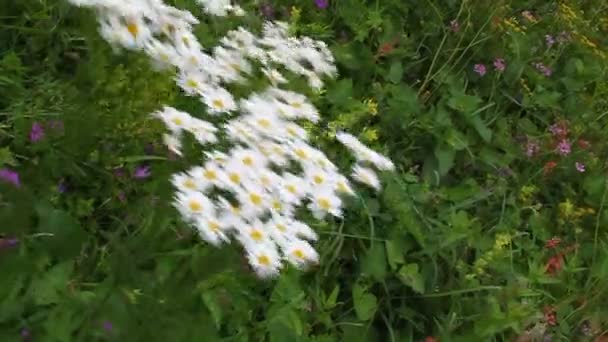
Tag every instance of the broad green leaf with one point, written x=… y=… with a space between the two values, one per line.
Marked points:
x=374 y=262
x=395 y=72
x=365 y=303
x=410 y=276
x=445 y=159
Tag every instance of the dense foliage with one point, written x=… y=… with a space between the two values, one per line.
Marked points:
x=493 y=227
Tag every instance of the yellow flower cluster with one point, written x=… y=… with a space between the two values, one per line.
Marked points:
x=501 y=241
x=568 y=212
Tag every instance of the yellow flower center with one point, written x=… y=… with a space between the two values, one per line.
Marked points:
x=291 y=188
x=292 y=131
x=301 y=153
x=248 y=161
x=234 y=178
x=263 y=260
x=324 y=203
x=218 y=104
x=277 y=205
x=214 y=226
x=296 y=105
x=210 y=174
x=318 y=179
x=255 y=199
x=264 y=123
x=342 y=187
x=298 y=253
x=133 y=29
x=256 y=235
x=265 y=180
x=281 y=227
x=177 y=121
x=189 y=183
x=195 y=206
x=191 y=83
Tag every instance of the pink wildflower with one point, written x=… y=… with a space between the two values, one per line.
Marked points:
x=499 y=64
x=480 y=69
x=580 y=167
x=563 y=147
x=37 y=132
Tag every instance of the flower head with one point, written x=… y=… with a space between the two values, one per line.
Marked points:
x=454 y=26
x=10 y=176
x=322 y=4
x=499 y=64
x=142 y=172
x=563 y=147
x=580 y=167
x=480 y=69
x=36 y=132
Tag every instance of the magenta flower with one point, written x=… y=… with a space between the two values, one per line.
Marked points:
x=142 y=172
x=564 y=147
x=580 y=167
x=8 y=243
x=480 y=69
x=322 y=4
x=499 y=64
x=37 y=132
x=10 y=176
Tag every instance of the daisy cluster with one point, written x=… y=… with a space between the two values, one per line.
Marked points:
x=251 y=191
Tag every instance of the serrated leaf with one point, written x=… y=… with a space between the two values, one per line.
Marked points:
x=374 y=262
x=445 y=159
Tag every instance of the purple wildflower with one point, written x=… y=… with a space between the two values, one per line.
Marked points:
x=37 y=132
x=107 y=326
x=8 y=242
x=499 y=64
x=549 y=40
x=543 y=69
x=563 y=147
x=558 y=129
x=580 y=167
x=142 y=172
x=480 y=69
x=532 y=148
x=322 y=4
x=10 y=176
x=454 y=26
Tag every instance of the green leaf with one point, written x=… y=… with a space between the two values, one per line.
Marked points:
x=374 y=262
x=481 y=128
x=65 y=236
x=6 y=157
x=48 y=287
x=365 y=303
x=445 y=158
x=410 y=276
x=211 y=302
x=341 y=92
x=395 y=251
x=395 y=72
x=464 y=103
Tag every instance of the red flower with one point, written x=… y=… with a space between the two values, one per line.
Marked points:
x=553 y=242
x=430 y=339
x=584 y=144
x=549 y=167
x=554 y=264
